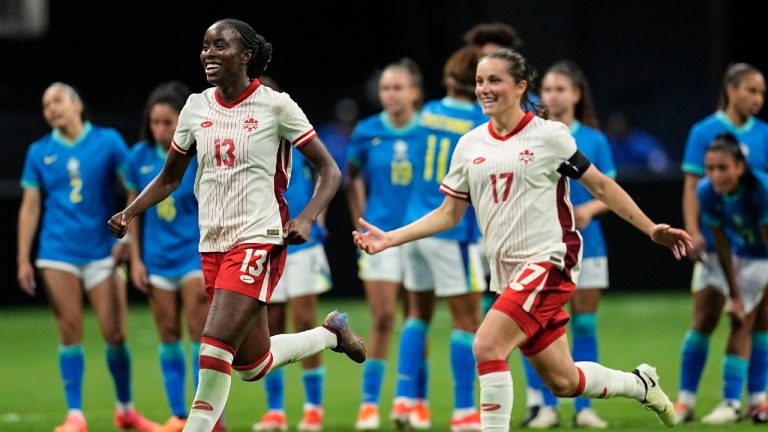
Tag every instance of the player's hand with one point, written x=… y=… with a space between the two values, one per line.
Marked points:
x=139 y=276
x=735 y=309
x=118 y=224
x=373 y=240
x=26 y=278
x=674 y=238
x=699 y=246
x=296 y=231
x=582 y=216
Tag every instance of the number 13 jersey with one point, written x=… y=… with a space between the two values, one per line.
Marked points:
x=520 y=198
x=244 y=162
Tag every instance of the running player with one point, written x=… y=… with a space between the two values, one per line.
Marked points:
x=380 y=172
x=741 y=98
x=515 y=169
x=241 y=133
x=444 y=265
x=566 y=95
x=69 y=188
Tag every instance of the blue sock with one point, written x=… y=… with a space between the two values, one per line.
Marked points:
x=195 y=353
x=411 y=356
x=535 y=382
x=695 y=348
x=734 y=375
x=584 y=326
x=72 y=365
x=174 y=375
x=373 y=374
x=757 y=378
x=274 y=384
x=313 y=385
x=119 y=362
x=463 y=368
x=422 y=380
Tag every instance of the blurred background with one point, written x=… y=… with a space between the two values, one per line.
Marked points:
x=654 y=66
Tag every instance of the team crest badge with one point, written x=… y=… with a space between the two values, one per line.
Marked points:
x=250 y=124
x=526 y=157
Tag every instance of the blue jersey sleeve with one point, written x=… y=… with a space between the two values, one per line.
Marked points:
x=711 y=215
x=356 y=149
x=693 y=157
x=604 y=159
x=131 y=179
x=30 y=175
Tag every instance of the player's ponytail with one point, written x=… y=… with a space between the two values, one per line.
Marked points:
x=520 y=70
x=259 y=46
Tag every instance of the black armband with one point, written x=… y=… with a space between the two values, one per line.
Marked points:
x=576 y=166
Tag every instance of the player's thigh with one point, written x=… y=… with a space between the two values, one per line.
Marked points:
x=232 y=316
x=303 y=311
x=466 y=311
x=276 y=319
x=707 y=306
x=382 y=297
x=109 y=301
x=555 y=366
x=64 y=292
x=256 y=343
x=164 y=304
x=195 y=304
x=585 y=300
x=497 y=336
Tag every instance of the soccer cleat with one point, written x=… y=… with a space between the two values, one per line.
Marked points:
x=683 y=413
x=75 y=422
x=368 y=418
x=272 y=421
x=420 y=418
x=655 y=398
x=313 y=419
x=348 y=341
x=401 y=411
x=530 y=413
x=173 y=424
x=546 y=417
x=759 y=413
x=467 y=423
x=131 y=419
x=588 y=418
x=724 y=413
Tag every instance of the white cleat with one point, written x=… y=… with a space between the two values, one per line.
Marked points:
x=724 y=413
x=547 y=417
x=588 y=418
x=655 y=398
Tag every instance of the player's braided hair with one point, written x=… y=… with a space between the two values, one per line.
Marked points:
x=459 y=72
x=585 y=108
x=734 y=73
x=262 y=50
x=173 y=94
x=520 y=70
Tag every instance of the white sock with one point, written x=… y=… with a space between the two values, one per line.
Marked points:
x=496 y=395
x=756 y=398
x=599 y=382
x=213 y=387
x=533 y=397
x=686 y=397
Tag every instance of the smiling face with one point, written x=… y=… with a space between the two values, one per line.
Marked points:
x=559 y=94
x=723 y=171
x=223 y=56
x=748 y=96
x=162 y=122
x=60 y=108
x=397 y=92
x=495 y=88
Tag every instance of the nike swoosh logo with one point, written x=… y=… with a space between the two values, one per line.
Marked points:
x=146 y=169
x=490 y=407
x=50 y=159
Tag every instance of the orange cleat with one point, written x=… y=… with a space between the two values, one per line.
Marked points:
x=73 y=423
x=133 y=420
x=272 y=421
x=313 y=419
x=368 y=418
x=470 y=422
x=173 y=424
x=420 y=418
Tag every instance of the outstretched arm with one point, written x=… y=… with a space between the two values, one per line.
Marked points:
x=443 y=218
x=617 y=199
x=159 y=189
x=691 y=214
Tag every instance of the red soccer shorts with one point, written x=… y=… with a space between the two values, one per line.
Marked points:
x=249 y=269
x=535 y=300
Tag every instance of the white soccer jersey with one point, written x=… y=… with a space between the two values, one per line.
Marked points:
x=244 y=155
x=521 y=200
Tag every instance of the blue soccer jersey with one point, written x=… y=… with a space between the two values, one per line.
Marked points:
x=444 y=122
x=742 y=214
x=77 y=186
x=170 y=233
x=298 y=194
x=596 y=148
x=753 y=134
x=385 y=153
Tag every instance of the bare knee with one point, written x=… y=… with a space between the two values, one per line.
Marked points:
x=114 y=337
x=169 y=330
x=562 y=386
x=485 y=349
x=383 y=321
x=71 y=332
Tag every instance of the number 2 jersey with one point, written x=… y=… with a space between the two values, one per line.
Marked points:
x=521 y=200
x=169 y=235
x=77 y=188
x=244 y=162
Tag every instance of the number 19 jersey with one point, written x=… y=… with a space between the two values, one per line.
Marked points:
x=244 y=163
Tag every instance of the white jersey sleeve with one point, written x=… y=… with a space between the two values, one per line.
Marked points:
x=562 y=144
x=455 y=183
x=183 y=139
x=292 y=122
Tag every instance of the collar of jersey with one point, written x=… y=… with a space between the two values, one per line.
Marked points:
x=723 y=117
x=527 y=117
x=247 y=92
x=458 y=104
x=59 y=138
x=733 y=197
x=574 y=127
x=413 y=124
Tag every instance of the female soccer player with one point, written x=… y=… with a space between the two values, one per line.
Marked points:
x=165 y=262
x=734 y=198
x=565 y=93
x=380 y=154
x=515 y=170
x=69 y=176
x=445 y=265
x=741 y=97
x=241 y=132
